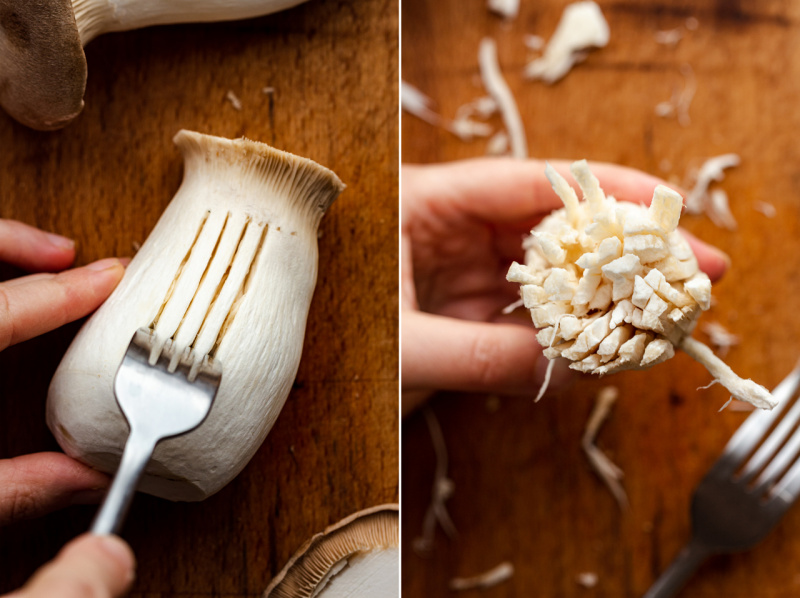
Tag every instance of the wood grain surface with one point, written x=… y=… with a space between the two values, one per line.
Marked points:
x=105 y=180
x=524 y=491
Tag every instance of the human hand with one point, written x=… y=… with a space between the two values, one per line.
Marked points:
x=462 y=226
x=32 y=485
x=90 y=565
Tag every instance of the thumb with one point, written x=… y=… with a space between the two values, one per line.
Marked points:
x=450 y=354
x=90 y=565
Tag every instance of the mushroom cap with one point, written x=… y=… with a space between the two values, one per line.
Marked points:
x=328 y=554
x=42 y=65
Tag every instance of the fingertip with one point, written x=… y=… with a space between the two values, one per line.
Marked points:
x=119 y=552
x=711 y=260
x=109 y=263
x=106 y=274
x=88 y=565
x=59 y=242
x=49 y=253
x=111 y=554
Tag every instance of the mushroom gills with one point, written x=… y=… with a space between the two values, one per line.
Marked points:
x=359 y=556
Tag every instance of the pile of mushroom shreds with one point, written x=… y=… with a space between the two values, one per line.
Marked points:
x=614 y=286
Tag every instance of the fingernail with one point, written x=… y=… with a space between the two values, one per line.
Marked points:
x=59 y=241
x=104 y=264
x=118 y=550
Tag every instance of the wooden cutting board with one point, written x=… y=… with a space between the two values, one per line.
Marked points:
x=524 y=491
x=105 y=180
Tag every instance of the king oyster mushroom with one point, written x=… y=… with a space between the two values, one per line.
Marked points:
x=228 y=272
x=359 y=556
x=42 y=65
x=614 y=285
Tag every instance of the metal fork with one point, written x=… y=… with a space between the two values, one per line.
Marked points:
x=740 y=500
x=158 y=404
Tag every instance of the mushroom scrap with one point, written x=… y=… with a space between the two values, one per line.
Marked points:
x=42 y=66
x=615 y=286
x=359 y=556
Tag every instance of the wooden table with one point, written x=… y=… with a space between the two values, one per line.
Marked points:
x=104 y=181
x=524 y=491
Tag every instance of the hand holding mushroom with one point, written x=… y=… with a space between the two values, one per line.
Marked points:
x=462 y=228
x=32 y=485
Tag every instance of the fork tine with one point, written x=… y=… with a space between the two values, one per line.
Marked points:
x=788 y=487
x=771 y=444
x=752 y=431
x=785 y=457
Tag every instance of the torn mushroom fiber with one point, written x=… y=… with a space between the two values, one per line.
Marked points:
x=615 y=286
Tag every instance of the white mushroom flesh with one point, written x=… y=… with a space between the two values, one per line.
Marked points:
x=581 y=26
x=598 y=265
x=95 y=17
x=228 y=272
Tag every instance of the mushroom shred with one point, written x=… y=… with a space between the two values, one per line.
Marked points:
x=614 y=286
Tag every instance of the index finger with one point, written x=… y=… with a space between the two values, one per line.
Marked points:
x=32 y=249
x=504 y=190
x=35 y=306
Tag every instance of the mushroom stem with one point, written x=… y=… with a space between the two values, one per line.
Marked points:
x=95 y=17
x=744 y=390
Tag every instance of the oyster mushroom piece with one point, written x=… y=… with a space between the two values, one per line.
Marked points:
x=359 y=556
x=615 y=286
x=228 y=271
x=42 y=65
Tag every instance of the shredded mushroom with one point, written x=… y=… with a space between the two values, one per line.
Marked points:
x=603 y=466
x=720 y=337
x=505 y=8
x=587 y=579
x=442 y=490
x=582 y=26
x=498 y=89
x=669 y=37
x=488 y=579
x=765 y=208
x=678 y=104
x=234 y=100
x=614 y=286
x=463 y=126
x=699 y=200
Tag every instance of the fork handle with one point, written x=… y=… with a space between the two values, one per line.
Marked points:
x=679 y=571
x=137 y=453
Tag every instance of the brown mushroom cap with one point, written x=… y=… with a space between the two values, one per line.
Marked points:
x=324 y=555
x=42 y=65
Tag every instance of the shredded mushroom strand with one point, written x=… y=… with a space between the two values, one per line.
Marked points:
x=488 y=579
x=498 y=88
x=603 y=466
x=441 y=491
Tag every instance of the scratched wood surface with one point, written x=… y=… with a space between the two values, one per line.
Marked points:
x=105 y=180
x=523 y=489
